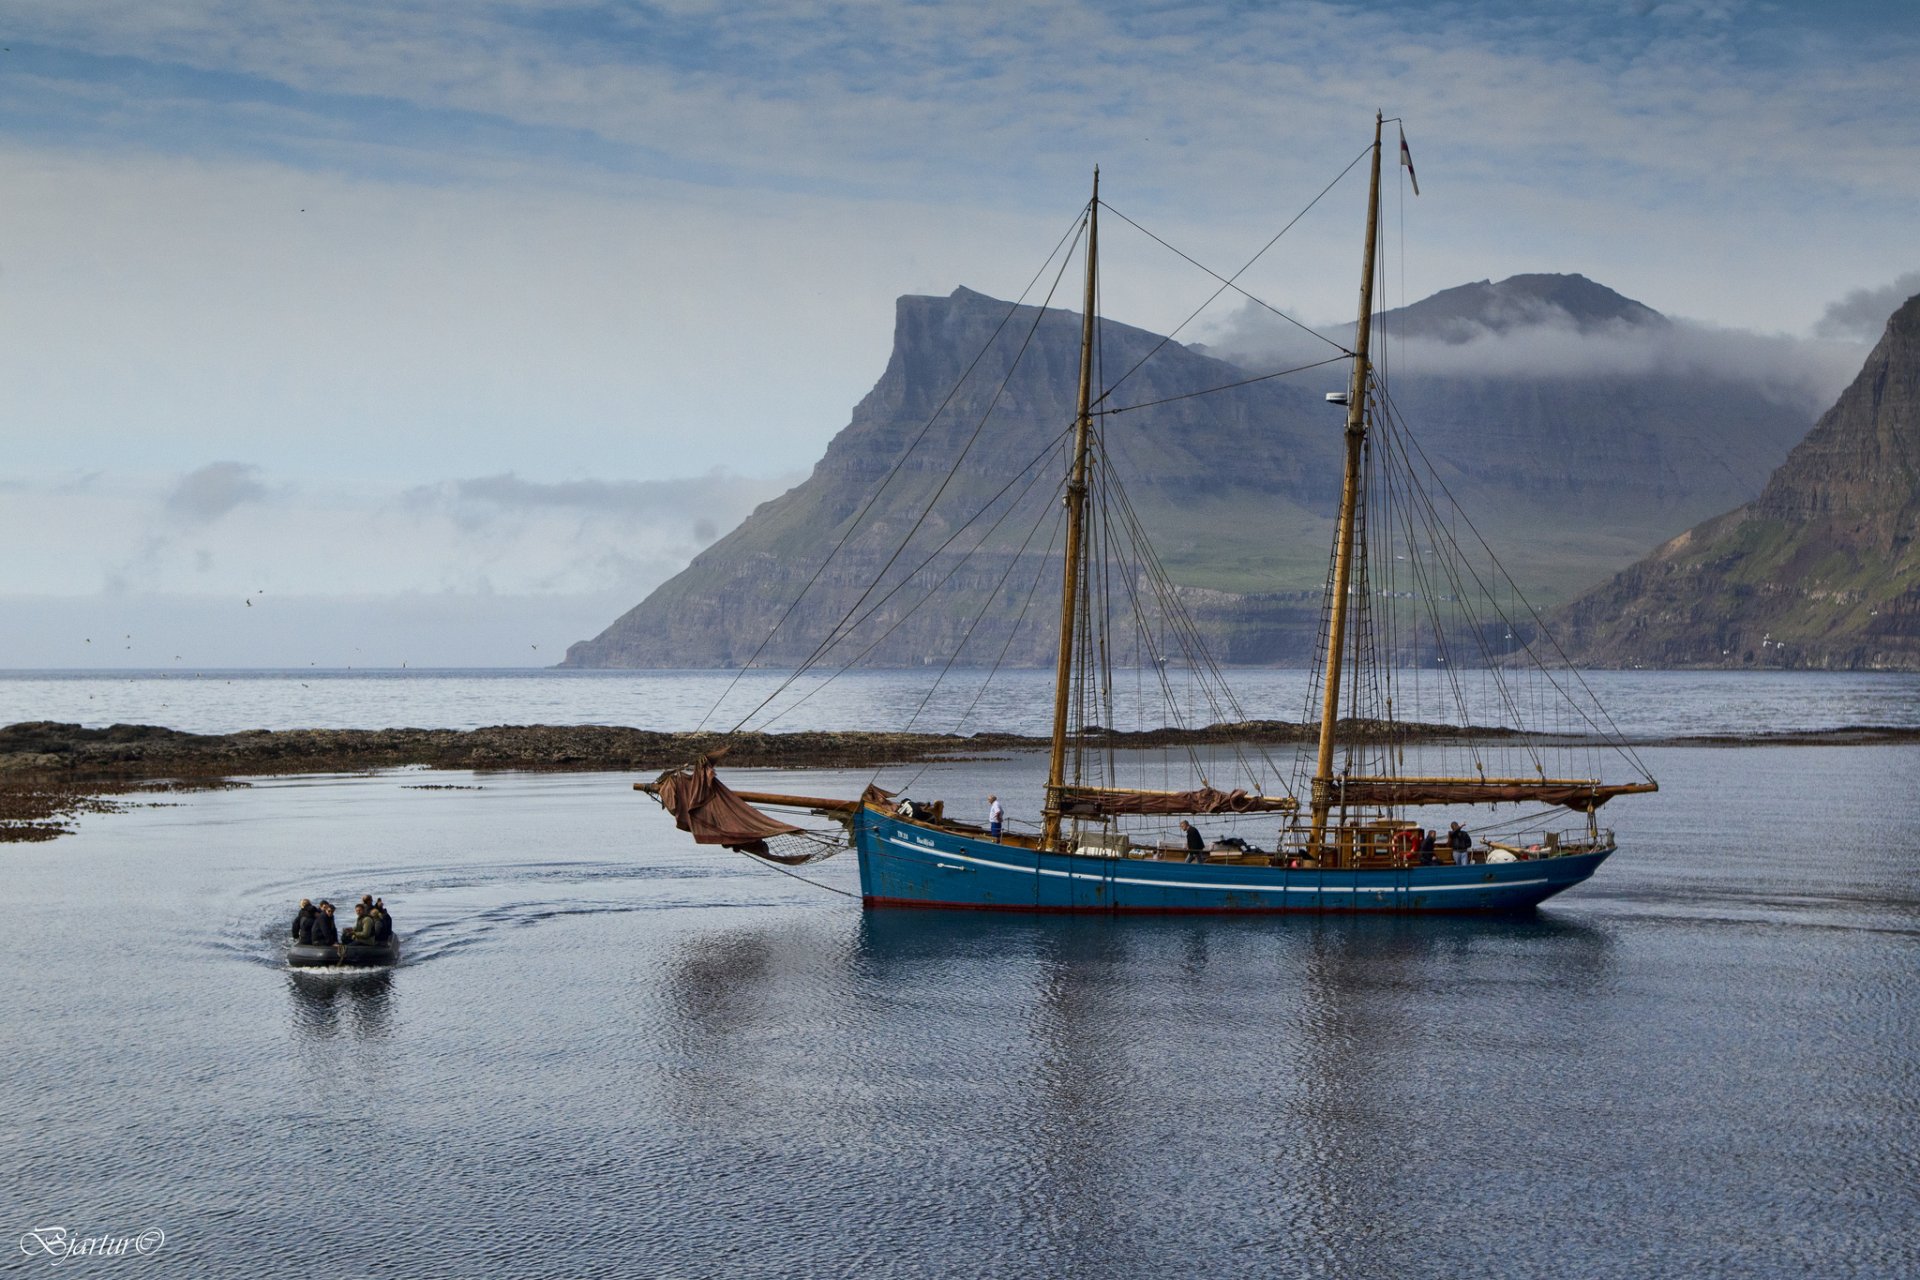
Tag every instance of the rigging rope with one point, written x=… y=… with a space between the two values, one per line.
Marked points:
x=1604 y=725
x=1058 y=522
x=908 y=578
x=1228 y=282
x=1229 y=386
x=899 y=466
x=835 y=633
x=788 y=871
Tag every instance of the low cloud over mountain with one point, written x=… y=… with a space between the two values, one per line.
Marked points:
x=1562 y=327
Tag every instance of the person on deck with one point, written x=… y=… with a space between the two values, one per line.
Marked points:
x=363 y=925
x=995 y=815
x=1428 y=844
x=303 y=921
x=1460 y=842
x=1196 y=843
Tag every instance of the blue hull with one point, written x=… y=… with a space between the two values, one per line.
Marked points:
x=906 y=864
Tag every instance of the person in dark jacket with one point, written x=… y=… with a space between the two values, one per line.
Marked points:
x=303 y=921
x=1196 y=843
x=325 y=932
x=1461 y=843
x=1428 y=844
x=382 y=922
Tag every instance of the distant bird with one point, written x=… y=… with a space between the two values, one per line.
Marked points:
x=249 y=604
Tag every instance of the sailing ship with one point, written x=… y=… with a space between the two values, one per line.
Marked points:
x=1347 y=838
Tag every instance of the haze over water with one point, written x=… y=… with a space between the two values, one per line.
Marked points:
x=1641 y=703
x=608 y=1052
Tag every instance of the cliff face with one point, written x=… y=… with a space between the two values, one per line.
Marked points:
x=1236 y=489
x=1820 y=570
x=1278 y=444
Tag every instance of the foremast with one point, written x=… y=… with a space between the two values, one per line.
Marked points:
x=1323 y=796
x=1076 y=501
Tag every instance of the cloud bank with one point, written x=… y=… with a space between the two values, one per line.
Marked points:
x=244 y=555
x=1808 y=373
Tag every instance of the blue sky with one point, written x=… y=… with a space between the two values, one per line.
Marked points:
x=417 y=275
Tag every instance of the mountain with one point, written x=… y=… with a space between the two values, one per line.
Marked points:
x=1821 y=570
x=1570 y=476
x=1472 y=311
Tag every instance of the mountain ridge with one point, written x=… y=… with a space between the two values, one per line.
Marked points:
x=1237 y=488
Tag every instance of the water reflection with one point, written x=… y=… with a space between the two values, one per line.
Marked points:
x=1396 y=1018
x=1337 y=1044
x=746 y=1016
x=346 y=1005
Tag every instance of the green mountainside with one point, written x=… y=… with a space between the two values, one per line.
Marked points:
x=1570 y=477
x=1821 y=570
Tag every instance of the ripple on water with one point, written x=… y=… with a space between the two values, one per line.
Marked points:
x=605 y=1053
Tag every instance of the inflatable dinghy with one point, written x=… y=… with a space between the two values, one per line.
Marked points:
x=353 y=955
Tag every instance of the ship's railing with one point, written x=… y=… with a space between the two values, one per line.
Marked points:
x=1391 y=843
x=1548 y=844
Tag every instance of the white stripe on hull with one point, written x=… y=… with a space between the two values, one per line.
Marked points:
x=1221 y=886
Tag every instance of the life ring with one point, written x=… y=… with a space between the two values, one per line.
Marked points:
x=1405 y=843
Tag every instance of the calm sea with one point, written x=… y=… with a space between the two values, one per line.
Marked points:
x=608 y=1053
x=1649 y=703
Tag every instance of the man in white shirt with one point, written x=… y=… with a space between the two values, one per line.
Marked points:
x=994 y=815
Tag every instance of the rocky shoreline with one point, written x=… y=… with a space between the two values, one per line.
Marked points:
x=50 y=772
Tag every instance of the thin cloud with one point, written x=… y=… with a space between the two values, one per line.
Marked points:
x=227 y=534
x=779 y=92
x=627 y=496
x=1807 y=373
x=1862 y=314
x=211 y=492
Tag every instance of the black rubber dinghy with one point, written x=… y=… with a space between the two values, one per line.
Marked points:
x=352 y=955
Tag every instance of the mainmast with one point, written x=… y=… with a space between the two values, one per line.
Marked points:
x=1076 y=500
x=1349 y=501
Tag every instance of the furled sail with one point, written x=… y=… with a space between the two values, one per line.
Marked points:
x=704 y=807
x=1579 y=794
x=1090 y=802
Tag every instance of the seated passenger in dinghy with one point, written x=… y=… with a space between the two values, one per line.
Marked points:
x=317 y=942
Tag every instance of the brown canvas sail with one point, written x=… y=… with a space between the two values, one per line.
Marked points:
x=703 y=807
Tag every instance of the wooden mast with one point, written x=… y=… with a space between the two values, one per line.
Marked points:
x=1349 y=500
x=1076 y=499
